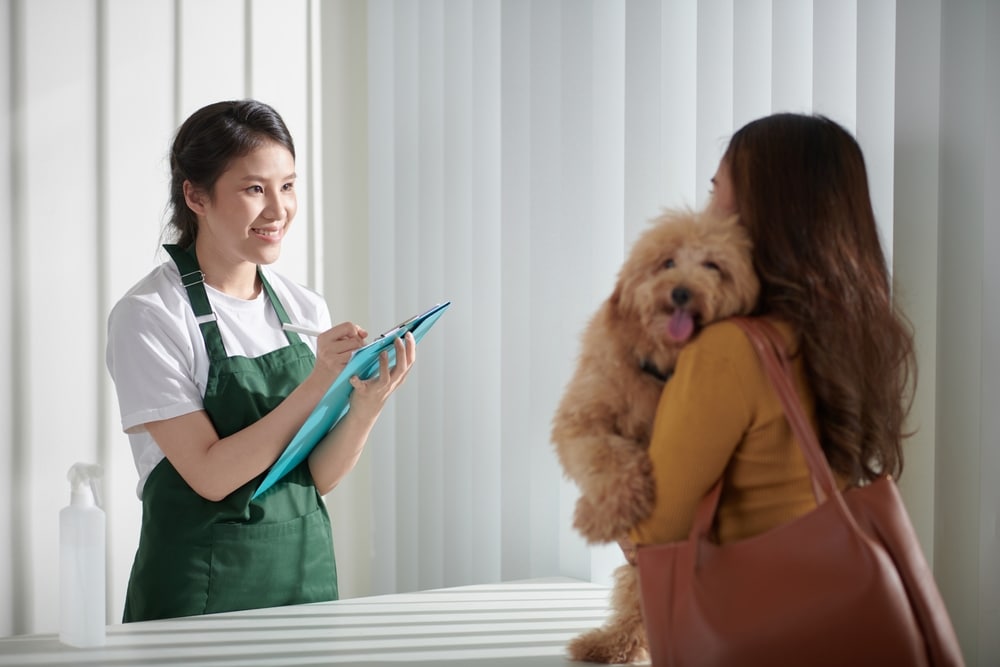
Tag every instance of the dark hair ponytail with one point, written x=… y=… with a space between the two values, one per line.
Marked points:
x=207 y=142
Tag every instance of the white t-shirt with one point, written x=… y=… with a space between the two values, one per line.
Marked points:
x=156 y=352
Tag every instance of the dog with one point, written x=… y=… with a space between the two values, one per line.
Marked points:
x=686 y=270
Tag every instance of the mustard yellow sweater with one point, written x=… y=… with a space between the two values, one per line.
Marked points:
x=719 y=416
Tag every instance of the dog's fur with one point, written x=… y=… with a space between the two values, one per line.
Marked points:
x=687 y=270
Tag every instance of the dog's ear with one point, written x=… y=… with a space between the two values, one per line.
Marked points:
x=615 y=299
x=618 y=302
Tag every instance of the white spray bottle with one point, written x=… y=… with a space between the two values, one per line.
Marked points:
x=81 y=561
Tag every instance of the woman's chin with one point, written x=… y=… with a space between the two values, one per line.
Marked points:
x=266 y=255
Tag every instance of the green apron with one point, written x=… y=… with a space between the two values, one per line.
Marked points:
x=199 y=557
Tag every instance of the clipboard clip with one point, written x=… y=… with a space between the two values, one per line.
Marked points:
x=401 y=325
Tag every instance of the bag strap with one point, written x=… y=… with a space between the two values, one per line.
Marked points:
x=770 y=347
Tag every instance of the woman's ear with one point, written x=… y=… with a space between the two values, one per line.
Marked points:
x=194 y=197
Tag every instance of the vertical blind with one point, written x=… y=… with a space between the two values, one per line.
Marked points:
x=515 y=150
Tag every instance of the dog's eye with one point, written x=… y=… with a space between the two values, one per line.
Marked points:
x=712 y=266
x=669 y=264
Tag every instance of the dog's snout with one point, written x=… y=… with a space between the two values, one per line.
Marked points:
x=680 y=296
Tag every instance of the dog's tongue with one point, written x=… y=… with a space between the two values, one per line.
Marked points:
x=681 y=326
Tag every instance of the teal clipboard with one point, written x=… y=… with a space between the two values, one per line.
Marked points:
x=336 y=401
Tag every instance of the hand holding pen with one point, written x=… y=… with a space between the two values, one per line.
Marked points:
x=335 y=346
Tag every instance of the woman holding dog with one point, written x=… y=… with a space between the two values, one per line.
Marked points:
x=799 y=184
x=212 y=389
x=846 y=584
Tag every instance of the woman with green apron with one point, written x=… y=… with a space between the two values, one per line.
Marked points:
x=211 y=388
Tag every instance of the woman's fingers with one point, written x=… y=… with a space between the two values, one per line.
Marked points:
x=335 y=346
x=406 y=352
x=388 y=379
x=346 y=330
x=410 y=349
x=344 y=337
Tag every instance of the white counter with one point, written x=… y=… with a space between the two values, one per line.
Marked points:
x=523 y=623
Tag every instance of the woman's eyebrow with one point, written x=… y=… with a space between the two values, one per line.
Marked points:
x=255 y=177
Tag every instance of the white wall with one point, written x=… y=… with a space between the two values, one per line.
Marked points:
x=548 y=139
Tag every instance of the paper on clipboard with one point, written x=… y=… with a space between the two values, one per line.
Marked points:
x=335 y=402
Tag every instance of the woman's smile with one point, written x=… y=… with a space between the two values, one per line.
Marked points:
x=272 y=234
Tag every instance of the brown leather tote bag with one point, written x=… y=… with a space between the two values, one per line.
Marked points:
x=845 y=584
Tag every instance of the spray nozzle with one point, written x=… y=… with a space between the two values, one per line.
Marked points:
x=83 y=483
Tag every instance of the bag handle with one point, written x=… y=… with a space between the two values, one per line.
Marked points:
x=770 y=347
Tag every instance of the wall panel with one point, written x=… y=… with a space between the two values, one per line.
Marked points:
x=651 y=109
x=876 y=99
x=916 y=261
x=343 y=248
x=136 y=130
x=673 y=101
x=792 y=56
x=989 y=499
x=211 y=52
x=835 y=60
x=59 y=321
x=715 y=105
x=278 y=69
x=968 y=542
x=752 y=37
x=519 y=557
x=9 y=589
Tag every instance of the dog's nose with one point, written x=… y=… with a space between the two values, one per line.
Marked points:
x=680 y=296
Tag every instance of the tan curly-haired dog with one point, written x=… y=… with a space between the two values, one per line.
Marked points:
x=687 y=270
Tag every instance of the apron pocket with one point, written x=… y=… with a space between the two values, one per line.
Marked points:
x=271 y=564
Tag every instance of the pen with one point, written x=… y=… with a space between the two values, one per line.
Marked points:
x=301 y=330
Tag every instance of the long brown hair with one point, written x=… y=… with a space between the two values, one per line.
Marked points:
x=801 y=187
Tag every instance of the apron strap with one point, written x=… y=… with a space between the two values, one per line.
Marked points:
x=293 y=338
x=193 y=281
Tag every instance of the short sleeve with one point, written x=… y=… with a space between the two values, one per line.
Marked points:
x=152 y=363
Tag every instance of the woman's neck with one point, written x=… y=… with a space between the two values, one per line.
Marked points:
x=236 y=278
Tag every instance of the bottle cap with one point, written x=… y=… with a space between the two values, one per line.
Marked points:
x=83 y=484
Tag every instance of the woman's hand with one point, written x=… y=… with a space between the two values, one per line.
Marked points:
x=339 y=451
x=628 y=548
x=370 y=395
x=334 y=348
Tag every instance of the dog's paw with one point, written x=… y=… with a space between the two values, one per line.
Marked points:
x=618 y=500
x=596 y=524
x=590 y=523
x=608 y=646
